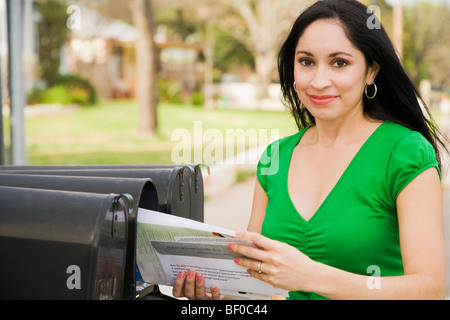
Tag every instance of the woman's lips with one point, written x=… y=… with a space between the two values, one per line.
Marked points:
x=322 y=100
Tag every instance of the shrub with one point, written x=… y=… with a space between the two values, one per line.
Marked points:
x=197 y=98
x=56 y=94
x=34 y=96
x=80 y=90
x=170 y=92
x=67 y=89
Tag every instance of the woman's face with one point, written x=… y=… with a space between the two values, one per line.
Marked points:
x=330 y=73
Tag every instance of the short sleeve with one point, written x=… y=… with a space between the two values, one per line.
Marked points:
x=268 y=163
x=411 y=156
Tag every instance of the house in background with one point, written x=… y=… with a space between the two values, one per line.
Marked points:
x=103 y=51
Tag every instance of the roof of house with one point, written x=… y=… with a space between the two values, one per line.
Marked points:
x=95 y=25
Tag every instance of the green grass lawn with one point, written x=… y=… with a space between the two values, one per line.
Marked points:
x=107 y=133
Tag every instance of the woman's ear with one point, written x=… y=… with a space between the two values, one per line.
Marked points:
x=372 y=72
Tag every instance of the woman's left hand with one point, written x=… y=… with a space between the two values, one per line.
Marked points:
x=274 y=262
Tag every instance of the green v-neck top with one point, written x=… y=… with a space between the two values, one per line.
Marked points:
x=356 y=227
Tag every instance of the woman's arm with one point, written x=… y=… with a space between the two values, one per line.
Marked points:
x=258 y=209
x=422 y=246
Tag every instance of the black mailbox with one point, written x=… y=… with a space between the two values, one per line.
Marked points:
x=62 y=244
x=172 y=183
x=142 y=191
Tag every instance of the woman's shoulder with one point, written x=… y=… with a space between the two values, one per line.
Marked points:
x=396 y=129
x=278 y=150
x=410 y=154
x=401 y=136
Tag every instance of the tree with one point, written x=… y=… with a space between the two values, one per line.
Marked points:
x=262 y=28
x=260 y=25
x=141 y=14
x=146 y=66
x=53 y=15
x=426 y=42
x=197 y=20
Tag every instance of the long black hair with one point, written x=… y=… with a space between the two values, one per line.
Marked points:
x=397 y=99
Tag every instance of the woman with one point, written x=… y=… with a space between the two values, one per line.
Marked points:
x=349 y=207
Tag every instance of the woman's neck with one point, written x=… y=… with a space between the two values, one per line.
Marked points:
x=344 y=132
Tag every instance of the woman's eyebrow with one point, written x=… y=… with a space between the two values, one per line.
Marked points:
x=305 y=53
x=339 y=53
x=331 y=55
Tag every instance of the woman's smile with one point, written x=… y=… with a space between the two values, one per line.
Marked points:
x=322 y=99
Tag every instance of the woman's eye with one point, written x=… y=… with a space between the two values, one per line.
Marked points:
x=306 y=62
x=340 y=63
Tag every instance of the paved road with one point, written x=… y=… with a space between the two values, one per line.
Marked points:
x=231 y=209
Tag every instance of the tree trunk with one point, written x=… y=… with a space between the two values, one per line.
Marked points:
x=146 y=66
x=267 y=23
x=265 y=62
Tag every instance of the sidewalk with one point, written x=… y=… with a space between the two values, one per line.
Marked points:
x=231 y=208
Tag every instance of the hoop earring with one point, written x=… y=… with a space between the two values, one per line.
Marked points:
x=295 y=87
x=374 y=94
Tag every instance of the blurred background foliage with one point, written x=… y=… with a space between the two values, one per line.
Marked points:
x=239 y=40
x=225 y=56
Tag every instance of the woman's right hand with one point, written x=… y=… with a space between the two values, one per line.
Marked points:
x=192 y=286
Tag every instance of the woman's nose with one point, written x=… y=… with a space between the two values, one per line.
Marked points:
x=320 y=79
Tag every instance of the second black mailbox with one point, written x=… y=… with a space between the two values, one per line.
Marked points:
x=179 y=188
